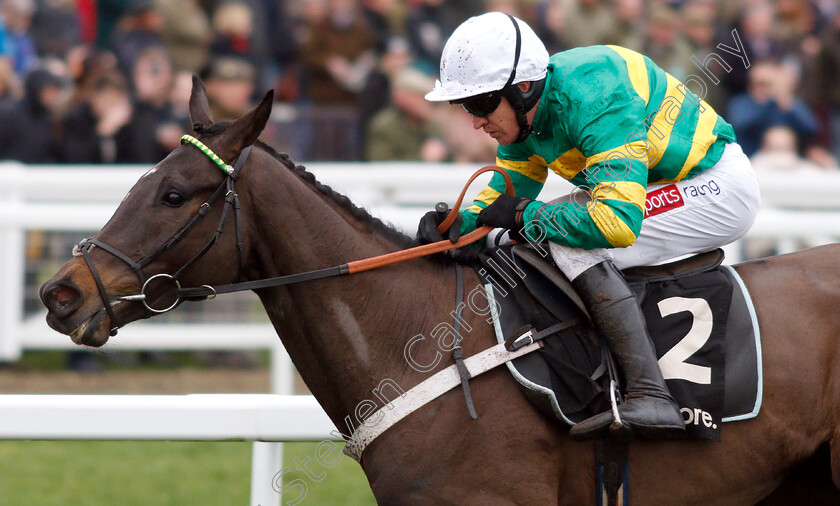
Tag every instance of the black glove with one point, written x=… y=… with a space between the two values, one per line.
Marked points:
x=427 y=230
x=504 y=212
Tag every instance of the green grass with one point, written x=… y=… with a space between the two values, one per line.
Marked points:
x=99 y=473
x=344 y=484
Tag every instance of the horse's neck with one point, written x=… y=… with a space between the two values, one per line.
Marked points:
x=347 y=334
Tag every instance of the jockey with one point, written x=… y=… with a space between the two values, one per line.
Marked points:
x=658 y=175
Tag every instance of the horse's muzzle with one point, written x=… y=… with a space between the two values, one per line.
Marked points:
x=70 y=312
x=62 y=298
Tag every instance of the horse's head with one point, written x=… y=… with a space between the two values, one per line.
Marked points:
x=165 y=232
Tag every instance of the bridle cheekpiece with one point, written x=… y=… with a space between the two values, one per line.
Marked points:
x=231 y=202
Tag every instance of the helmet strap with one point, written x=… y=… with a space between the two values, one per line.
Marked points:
x=521 y=102
x=519 y=108
x=515 y=53
x=524 y=128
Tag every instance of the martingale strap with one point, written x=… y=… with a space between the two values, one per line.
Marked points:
x=457 y=352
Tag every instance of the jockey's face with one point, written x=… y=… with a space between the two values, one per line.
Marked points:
x=501 y=124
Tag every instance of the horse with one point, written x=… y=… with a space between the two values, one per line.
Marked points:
x=347 y=337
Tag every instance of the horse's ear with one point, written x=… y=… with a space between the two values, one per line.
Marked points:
x=244 y=131
x=199 y=106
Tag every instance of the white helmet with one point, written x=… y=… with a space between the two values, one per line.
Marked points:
x=480 y=54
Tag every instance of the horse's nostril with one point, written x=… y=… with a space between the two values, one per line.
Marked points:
x=62 y=299
x=64 y=295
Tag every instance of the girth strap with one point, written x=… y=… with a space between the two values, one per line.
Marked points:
x=426 y=391
x=612 y=472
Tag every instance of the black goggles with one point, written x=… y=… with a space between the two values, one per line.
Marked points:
x=482 y=105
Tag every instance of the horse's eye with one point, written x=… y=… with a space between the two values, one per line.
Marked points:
x=173 y=199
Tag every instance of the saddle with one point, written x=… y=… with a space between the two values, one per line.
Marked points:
x=698 y=313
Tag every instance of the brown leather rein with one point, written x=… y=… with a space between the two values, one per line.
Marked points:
x=357 y=266
x=231 y=207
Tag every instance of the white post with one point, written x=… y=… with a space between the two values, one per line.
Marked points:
x=282 y=370
x=266 y=461
x=12 y=263
x=267 y=458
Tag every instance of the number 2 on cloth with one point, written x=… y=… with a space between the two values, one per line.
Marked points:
x=673 y=363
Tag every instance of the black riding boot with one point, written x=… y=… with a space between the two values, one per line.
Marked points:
x=648 y=410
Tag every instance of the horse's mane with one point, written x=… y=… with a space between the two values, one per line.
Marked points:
x=359 y=213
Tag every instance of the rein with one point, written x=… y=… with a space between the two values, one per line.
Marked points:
x=231 y=202
x=366 y=264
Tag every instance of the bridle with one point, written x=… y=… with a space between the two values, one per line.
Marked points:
x=231 y=202
x=84 y=248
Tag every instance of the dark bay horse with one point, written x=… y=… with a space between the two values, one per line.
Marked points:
x=347 y=335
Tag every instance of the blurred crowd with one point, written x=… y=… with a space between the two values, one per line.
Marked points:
x=108 y=81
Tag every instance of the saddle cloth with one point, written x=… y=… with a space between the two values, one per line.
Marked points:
x=699 y=315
